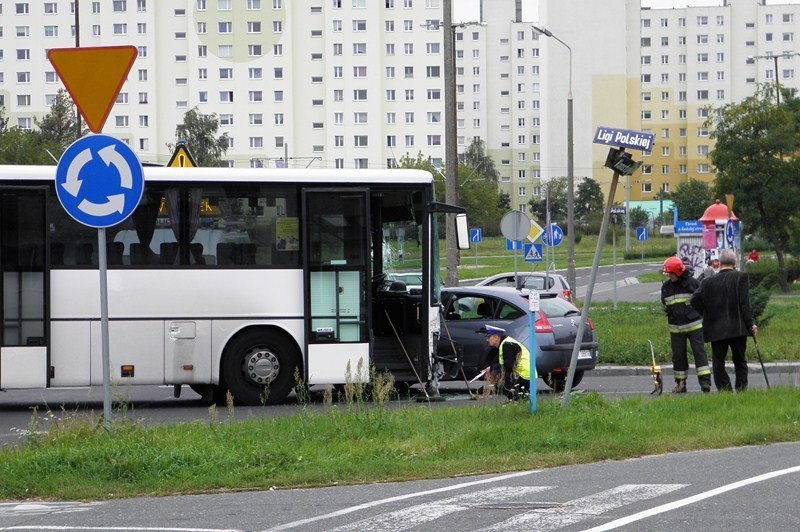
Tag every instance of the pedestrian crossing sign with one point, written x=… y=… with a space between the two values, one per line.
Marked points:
x=533 y=253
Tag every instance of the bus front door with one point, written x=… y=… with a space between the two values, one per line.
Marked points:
x=336 y=266
x=24 y=288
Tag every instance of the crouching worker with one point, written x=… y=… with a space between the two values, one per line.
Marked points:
x=507 y=362
x=684 y=323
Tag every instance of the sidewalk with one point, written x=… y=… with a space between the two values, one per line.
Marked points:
x=666 y=369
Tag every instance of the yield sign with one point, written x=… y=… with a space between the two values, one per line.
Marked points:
x=93 y=77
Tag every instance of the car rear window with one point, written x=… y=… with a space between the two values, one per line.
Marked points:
x=555 y=306
x=537 y=283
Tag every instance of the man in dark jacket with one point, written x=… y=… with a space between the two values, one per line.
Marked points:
x=684 y=323
x=724 y=300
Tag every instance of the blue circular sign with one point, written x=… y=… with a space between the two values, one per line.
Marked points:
x=99 y=181
x=557 y=235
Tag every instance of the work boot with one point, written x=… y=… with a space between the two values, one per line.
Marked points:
x=680 y=386
x=705 y=383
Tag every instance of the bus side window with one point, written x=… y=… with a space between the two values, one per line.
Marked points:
x=83 y=254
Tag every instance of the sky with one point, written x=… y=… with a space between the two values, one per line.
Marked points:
x=464 y=10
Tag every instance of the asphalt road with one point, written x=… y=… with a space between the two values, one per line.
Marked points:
x=731 y=490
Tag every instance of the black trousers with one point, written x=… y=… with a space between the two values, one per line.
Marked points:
x=719 y=350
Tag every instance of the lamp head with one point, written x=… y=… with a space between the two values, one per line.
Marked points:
x=541 y=29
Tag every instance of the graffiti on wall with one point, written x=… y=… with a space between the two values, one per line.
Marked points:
x=694 y=255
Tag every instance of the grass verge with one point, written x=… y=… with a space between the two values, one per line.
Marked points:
x=371 y=443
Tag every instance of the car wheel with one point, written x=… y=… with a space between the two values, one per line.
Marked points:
x=558 y=381
x=258 y=368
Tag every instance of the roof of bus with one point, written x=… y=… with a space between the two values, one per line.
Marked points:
x=245 y=175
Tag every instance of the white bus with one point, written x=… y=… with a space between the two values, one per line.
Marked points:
x=247 y=280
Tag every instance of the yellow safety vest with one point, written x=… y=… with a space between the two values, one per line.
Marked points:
x=522 y=367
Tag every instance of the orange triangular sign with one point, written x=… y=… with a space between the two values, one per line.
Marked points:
x=93 y=77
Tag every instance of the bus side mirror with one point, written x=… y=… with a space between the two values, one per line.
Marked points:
x=462 y=231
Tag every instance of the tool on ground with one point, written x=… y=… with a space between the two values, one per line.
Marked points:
x=655 y=371
x=428 y=397
x=455 y=354
x=763 y=369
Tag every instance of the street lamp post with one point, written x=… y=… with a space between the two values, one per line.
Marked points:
x=450 y=147
x=570 y=165
x=785 y=55
x=450 y=136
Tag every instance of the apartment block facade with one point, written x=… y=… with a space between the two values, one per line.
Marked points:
x=360 y=83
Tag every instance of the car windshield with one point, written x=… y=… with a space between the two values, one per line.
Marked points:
x=408 y=278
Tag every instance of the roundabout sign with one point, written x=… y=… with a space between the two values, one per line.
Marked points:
x=99 y=181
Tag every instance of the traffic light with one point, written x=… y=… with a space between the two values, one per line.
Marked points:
x=620 y=161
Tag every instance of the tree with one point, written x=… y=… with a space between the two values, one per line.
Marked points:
x=556 y=190
x=756 y=156
x=692 y=199
x=477 y=194
x=59 y=128
x=3 y=120
x=482 y=165
x=589 y=199
x=22 y=146
x=199 y=131
x=639 y=217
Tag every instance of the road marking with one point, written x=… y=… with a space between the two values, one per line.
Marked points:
x=691 y=500
x=584 y=508
x=16 y=509
x=372 y=504
x=420 y=514
x=122 y=528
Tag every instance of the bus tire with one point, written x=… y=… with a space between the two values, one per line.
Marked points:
x=258 y=368
x=558 y=381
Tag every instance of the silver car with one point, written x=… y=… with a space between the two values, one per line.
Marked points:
x=468 y=308
x=539 y=281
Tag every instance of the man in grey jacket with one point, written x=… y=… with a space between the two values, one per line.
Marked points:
x=724 y=301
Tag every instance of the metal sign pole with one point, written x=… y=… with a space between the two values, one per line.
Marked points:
x=533 y=308
x=101 y=258
x=614 y=261
x=587 y=300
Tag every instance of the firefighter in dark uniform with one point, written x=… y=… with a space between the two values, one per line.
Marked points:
x=684 y=323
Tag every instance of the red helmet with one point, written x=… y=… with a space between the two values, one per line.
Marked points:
x=673 y=265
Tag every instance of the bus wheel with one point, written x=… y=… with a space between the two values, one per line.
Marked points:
x=258 y=368
x=558 y=381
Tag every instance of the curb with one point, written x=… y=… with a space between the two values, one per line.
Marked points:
x=666 y=369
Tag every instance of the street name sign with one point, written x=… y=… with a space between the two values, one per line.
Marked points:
x=624 y=138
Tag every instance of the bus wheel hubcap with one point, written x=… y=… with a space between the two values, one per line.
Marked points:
x=261 y=366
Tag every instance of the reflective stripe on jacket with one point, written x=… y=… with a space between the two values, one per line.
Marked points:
x=682 y=318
